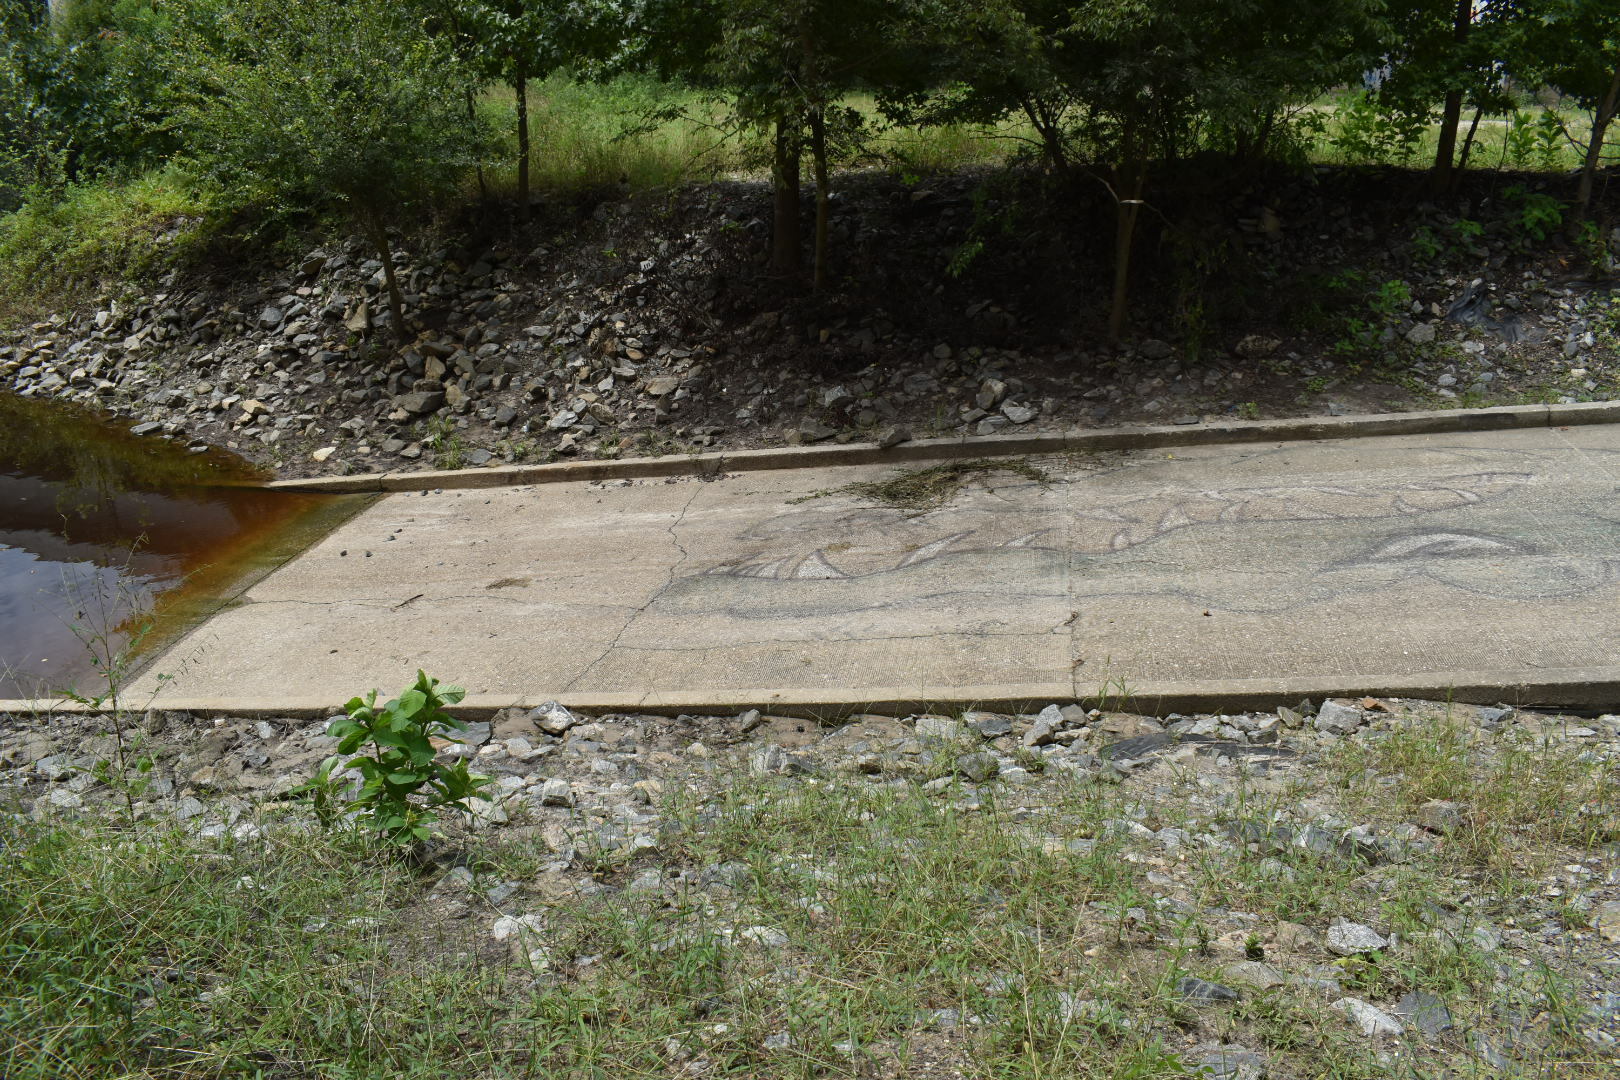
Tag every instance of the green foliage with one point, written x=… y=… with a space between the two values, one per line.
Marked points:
x=402 y=782
x=325 y=104
x=1590 y=241
x=1533 y=141
x=1532 y=216
x=1369 y=132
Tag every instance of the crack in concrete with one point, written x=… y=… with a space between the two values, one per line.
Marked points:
x=674 y=570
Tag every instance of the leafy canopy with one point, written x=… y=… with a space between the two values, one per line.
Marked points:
x=338 y=104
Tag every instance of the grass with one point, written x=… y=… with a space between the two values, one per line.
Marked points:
x=826 y=925
x=932 y=487
x=60 y=249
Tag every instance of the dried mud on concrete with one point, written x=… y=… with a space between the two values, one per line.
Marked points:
x=1369 y=888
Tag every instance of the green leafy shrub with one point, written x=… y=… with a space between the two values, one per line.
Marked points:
x=1532 y=217
x=403 y=785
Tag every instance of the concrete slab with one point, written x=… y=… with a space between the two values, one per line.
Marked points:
x=1476 y=558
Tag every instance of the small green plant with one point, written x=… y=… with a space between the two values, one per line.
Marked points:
x=1249 y=410
x=448 y=450
x=1533 y=142
x=1425 y=244
x=1532 y=217
x=403 y=784
x=1589 y=241
x=1390 y=299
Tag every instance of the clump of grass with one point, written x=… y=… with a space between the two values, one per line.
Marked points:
x=1518 y=793
x=932 y=487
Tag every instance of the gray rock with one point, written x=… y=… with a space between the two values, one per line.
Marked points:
x=1425 y=1012
x=893 y=436
x=1154 y=349
x=1374 y=1022
x=1339 y=718
x=151 y=427
x=1345 y=938
x=1231 y=1063
x=1421 y=334
x=989 y=725
x=1441 y=815
x=270 y=318
x=766 y=937
x=556 y=793
x=810 y=431
x=1606 y=920
x=767 y=760
x=1253 y=973
x=1195 y=989
x=1019 y=414
x=978 y=767
x=941 y=727
x=552 y=718
x=476 y=734
x=1040 y=732
x=421 y=402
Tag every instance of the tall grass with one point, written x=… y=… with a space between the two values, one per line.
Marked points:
x=58 y=246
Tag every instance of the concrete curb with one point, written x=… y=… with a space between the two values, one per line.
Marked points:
x=1132 y=438
x=1580 y=690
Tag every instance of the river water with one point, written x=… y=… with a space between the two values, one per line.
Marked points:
x=111 y=543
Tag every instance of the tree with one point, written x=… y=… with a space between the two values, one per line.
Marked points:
x=783 y=67
x=789 y=63
x=345 y=105
x=1573 y=45
x=1116 y=88
x=517 y=41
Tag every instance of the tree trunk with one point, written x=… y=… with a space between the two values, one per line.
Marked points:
x=521 y=88
x=818 y=151
x=785 y=241
x=1468 y=142
x=1594 y=149
x=396 y=303
x=472 y=121
x=1129 y=182
x=1444 y=175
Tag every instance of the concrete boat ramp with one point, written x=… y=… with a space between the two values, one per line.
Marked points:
x=1479 y=565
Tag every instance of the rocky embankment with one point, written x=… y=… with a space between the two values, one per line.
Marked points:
x=648 y=329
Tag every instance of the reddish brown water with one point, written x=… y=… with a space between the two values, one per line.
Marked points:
x=106 y=540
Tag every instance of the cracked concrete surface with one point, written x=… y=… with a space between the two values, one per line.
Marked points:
x=1489 y=556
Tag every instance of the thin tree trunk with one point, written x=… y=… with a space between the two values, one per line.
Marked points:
x=1594 y=148
x=472 y=121
x=785 y=235
x=1130 y=179
x=1451 y=117
x=396 y=303
x=521 y=88
x=1468 y=143
x=818 y=151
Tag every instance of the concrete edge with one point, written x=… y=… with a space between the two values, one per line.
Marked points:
x=1132 y=438
x=1579 y=690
